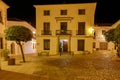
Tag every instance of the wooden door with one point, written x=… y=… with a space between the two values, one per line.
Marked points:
x=65 y=46
x=103 y=45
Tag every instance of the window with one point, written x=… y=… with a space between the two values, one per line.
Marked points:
x=81 y=11
x=46 y=28
x=63 y=25
x=1 y=43
x=63 y=12
x=81 y=45
x=94 y=45
x=94 y=35
x=46 y=44
x=81 y=28
x=46 y=12
x=103 y=32
x=1 y=17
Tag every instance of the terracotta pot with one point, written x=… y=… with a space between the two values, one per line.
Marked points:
x=11 y=61
x=6 y=58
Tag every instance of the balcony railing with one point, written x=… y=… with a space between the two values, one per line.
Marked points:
x=80 y=32
x=63 y=32
x=43 y=32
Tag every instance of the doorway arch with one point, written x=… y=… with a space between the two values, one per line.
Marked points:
x=12 y=48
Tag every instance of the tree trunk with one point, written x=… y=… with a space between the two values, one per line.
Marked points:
x=118 y=50
x=22 y=53
x=18 y=42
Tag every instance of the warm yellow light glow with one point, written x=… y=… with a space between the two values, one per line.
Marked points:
x=91 y=31
x=34 y=32
x=103 y=37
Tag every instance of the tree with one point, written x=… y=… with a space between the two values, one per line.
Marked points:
x=109 y=35
x=117 y=38
x=19 y=34
x=113 y=35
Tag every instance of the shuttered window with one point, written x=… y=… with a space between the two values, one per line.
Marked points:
x=81 y=45
x=46 y=44
x=81 y=28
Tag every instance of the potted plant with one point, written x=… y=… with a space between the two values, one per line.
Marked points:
x=6 y=53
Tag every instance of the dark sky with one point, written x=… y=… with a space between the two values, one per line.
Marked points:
x=107 y=11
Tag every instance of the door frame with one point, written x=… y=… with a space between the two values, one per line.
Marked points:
x=61 y=45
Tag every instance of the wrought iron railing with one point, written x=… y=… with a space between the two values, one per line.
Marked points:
x=47 y=32
x=63 y=32
x=80 y=32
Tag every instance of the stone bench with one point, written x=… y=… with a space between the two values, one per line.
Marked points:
x=68 y=52
x=43 y=53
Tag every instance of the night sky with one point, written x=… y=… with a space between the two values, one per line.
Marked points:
x=107 y=11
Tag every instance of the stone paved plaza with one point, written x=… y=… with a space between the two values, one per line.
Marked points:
x=97 y=66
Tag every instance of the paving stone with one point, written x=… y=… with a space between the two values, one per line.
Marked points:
x=66 y=67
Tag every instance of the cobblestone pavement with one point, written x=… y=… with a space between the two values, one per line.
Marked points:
x=8 y=75
x=98 y=66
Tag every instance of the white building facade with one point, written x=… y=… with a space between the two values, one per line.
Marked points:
x=28 y=47
x=99 y=39
x=65 y=27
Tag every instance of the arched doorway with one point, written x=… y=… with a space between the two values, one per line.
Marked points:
x=12 y=48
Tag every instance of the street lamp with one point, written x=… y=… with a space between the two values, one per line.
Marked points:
x=91 y=31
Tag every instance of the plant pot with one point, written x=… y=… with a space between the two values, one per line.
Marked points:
x=11 y=61
x=6 y=58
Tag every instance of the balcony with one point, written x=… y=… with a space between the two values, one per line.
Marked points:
x=80 y=32
x=63 y=32
x=63 y=18
x=43 y=32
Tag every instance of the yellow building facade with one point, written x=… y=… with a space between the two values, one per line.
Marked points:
x=65 y=27
x=3 y=19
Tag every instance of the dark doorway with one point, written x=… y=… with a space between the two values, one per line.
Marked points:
x=103 y=45
x=12 y=48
